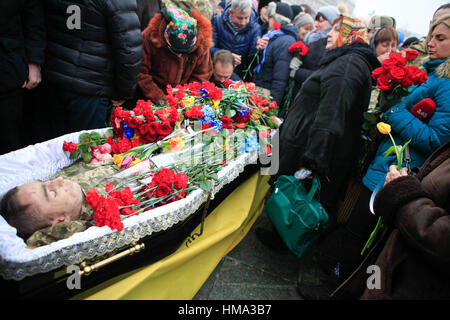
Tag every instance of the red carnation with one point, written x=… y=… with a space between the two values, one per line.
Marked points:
x=127 y=196
x=164 y=129
x=226 y=122
x=250 y=86
x=124 y=145
x=240 y=119
x=174 y=116
x=227 y=83
x=195 y=112
x=216 y=94
x=299 y=47
x=107 y=214
x=93 y=199
x=276 y=26
x=70 y=147
x=181 y=181
x=163 y=190
x=164 y=175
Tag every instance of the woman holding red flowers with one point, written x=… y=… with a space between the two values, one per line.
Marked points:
x=426 y=135
x=321 y=133
x=342 y=249
x=176 y=51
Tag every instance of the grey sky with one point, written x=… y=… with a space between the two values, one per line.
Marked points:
x=413 y=15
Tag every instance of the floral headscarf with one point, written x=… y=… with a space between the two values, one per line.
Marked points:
x=353 y=30
x=181 y=31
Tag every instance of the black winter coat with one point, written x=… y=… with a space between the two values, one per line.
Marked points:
x=311 y=62
x=22 y=41
x=103 y=57
x=274 y=74
x=322 y=128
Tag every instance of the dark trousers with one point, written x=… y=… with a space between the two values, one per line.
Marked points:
x=361 y=221
x=72 y=112
x=11 y=121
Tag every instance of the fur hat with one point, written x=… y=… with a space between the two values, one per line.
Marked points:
x=280 y=11
x=181 y=31
x=381 y=21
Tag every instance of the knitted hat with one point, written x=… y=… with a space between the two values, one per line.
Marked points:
x=181 y=31
x=302 y=19
x=352 y=30
x=381 y=21
x=330 y=13
x=280 y=11
x=263 y=3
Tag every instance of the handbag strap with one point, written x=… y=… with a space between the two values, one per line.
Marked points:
x=314 y=188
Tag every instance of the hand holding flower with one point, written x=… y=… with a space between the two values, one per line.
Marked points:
x=395 y=174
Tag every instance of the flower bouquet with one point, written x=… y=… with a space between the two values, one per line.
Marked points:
x=92 y=147
x=298 y=51
x=200 y=130
x=394 y=78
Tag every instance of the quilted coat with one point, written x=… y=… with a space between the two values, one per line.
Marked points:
x=425 y=137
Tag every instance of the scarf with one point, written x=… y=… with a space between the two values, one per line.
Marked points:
x=271 y=34
x=314 y=36
x=352 y=30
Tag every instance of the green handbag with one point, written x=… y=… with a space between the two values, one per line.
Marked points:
x=297 y=215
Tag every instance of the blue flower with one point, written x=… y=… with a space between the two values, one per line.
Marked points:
x=208 y=114
x=204 y=93
x=250 y=144
x=243 y=112
x=129 y=132
x=216 y=124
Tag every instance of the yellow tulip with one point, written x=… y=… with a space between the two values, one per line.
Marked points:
x=117 y=158
x=384 y=128
x=135 y=162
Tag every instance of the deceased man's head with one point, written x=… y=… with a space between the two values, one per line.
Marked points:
x=37 y=205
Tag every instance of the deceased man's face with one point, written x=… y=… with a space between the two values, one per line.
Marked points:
x=52 y=201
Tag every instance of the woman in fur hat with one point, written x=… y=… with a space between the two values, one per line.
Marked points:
x=176 y=48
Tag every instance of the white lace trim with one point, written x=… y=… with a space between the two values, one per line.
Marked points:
x=41 y=161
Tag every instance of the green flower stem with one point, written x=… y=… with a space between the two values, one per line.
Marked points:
x=399 y=157
x=372 y=235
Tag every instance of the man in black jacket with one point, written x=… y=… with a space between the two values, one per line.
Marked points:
x=91 y=66
x=22 y=45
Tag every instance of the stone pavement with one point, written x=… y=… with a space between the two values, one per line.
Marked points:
x=253 y=271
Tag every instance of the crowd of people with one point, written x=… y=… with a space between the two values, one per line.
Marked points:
x=59 y=79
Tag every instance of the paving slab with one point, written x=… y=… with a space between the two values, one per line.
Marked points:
x=253 y=271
